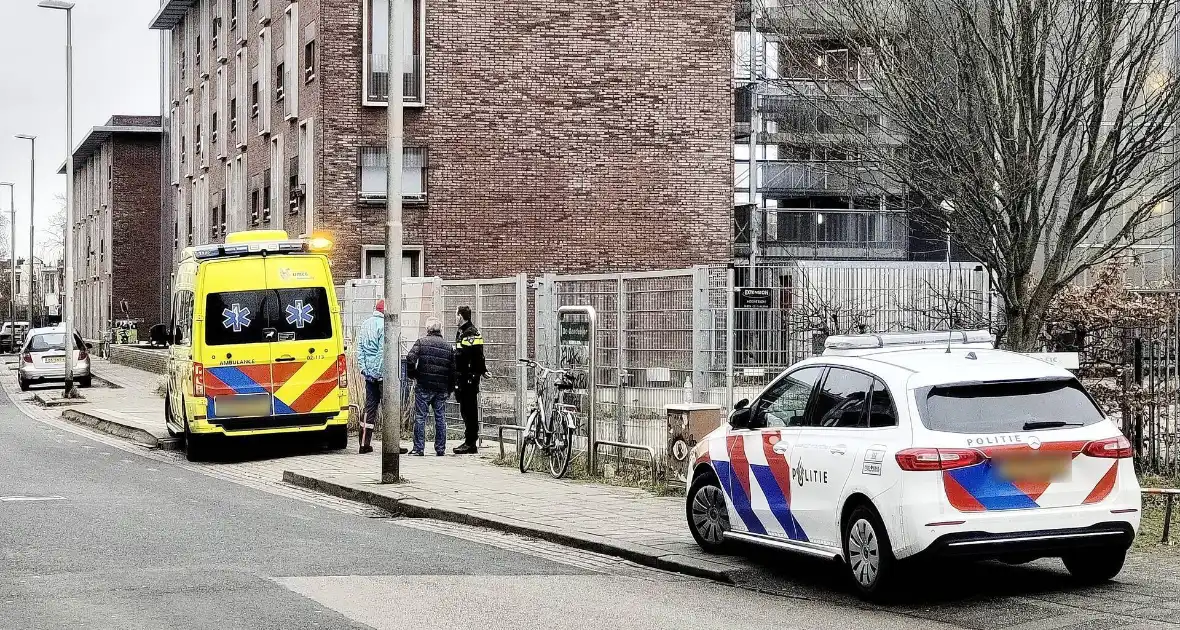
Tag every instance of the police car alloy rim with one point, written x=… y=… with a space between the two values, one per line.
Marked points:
x=709 y=515
x=864 y=556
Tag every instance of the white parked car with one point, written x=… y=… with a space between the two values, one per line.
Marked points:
x=43 y=358
x=899 y=446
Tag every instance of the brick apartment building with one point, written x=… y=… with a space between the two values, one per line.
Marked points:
x=116 y=230
x=541 y=135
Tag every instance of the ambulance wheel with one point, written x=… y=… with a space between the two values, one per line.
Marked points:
x=195 y=448
x=707 y=512
x=1096 y=566
x=168 y=416
x=338 y=437
x=868 y=555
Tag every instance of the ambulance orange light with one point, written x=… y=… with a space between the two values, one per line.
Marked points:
x=319 y=243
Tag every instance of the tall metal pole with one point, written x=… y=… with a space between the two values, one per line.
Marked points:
x=755 y=123
x=68 y=317
x=391 y=397
x=12 y=249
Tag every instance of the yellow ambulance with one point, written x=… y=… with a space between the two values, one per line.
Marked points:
x=255 y=342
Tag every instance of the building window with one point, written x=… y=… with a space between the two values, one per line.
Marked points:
x=197 y=57
x=254 y=207
x=266 y=196
x=197 y=137
x=109 y=174
x=296 y=193
x=221 y=220
x=183 y=152
x=309 y=62
x=182 y=64
x=254 y=100
x=373 y=166
x=279 y=81
x=233 y=14
x=377 y=49
x=213 y=128
x=373 y=262
x=233 y=114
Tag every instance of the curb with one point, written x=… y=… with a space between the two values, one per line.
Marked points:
x=413 y=508
x=114 y=427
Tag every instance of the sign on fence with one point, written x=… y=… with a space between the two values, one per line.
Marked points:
x=575 y=332
x=753 y=297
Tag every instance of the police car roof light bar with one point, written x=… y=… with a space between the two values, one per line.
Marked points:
x=881 y=341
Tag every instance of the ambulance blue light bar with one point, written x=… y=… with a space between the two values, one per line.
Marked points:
x=208 y=252
x=858 y=344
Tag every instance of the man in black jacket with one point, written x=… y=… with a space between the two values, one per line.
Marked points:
x=431 y=362
x=470 y=368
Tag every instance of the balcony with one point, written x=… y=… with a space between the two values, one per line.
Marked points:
x=824 y=233
x=378 y=85
x=820 y=177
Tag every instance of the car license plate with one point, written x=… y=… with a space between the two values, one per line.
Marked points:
x=55 y=359
x=1036 y=468
x=244 y=405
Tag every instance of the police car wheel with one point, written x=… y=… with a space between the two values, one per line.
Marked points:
x=868 y=554
x=708 y=514
x=1097 y=565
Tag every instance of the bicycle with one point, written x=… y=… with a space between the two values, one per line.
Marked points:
x=551 y=422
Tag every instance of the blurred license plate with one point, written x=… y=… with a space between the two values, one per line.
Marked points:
x=1036 y=468
x=247 y=405
x=54 y=359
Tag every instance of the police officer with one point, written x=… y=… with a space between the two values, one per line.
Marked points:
x=469 y=368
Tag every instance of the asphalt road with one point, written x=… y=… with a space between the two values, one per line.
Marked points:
x=93 y=536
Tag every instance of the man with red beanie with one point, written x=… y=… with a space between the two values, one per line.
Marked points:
x=370 y=348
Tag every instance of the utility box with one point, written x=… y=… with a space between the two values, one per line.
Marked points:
x=688 y=423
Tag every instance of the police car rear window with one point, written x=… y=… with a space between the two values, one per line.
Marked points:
x=266 y=315
x=1007 y=406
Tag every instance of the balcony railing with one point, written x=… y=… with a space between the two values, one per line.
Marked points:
x=839 y=233
x=379 y=80
x=785 y=176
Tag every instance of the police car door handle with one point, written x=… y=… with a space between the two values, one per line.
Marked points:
x=781 y=447
x=837 y=450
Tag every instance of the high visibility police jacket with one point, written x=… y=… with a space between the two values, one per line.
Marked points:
x=469 y=360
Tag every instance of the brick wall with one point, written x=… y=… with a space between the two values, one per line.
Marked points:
x=135 y=228
x=563 y=135
x=154 y=361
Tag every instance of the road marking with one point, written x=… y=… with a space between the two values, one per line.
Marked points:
x=24 y=498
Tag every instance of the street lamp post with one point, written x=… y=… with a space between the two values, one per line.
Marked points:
x=12 y=249
x=32 y=196
x=391 y=393
x=68 y=307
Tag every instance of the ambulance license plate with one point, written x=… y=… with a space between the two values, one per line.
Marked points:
x=243 y=405
x=1036 y=468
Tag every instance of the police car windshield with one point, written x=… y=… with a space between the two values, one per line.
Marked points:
x=1007 y=406
x=267 y=315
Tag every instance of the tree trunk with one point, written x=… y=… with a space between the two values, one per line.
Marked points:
x=1023 y=333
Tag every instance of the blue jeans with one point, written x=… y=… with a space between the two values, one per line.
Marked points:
x=437 y=400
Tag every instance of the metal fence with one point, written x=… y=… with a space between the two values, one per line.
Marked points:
x=704 y=334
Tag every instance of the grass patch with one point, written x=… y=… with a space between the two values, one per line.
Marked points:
x=1151 y=528
x=628 y=475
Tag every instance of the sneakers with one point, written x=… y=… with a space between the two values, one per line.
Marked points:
x=441 y=453
x=466 y=449
x=417 y=453
x=366 y=449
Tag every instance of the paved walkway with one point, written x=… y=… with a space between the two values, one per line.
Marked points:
x=620 y=521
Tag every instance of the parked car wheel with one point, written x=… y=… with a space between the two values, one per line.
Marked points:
x=868 y=554
x=708 y=513
x=24 y=385
x=1096 y=566
x=86 y=381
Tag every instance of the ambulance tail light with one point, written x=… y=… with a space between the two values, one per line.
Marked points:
x=198 y=379
x=924 y=459
x=1110 y=448
x=342 y=372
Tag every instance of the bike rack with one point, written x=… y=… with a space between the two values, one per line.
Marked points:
x=591 y=376
x=651 y=453
x=509 y=427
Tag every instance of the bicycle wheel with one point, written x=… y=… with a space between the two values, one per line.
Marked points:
x=562 y=448
x=528 y=443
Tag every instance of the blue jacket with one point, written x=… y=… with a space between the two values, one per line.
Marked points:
x=370 y=347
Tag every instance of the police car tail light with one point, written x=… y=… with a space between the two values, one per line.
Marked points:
x=342 y=371
x=1110 y=448
x=198 y=379
x=920 y=459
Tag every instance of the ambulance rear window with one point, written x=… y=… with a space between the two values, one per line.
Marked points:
x=267 y=315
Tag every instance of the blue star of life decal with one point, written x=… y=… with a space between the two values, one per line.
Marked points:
x=236 y=317
x=299 y=314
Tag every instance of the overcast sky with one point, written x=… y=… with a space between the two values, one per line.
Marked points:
x=116 y=71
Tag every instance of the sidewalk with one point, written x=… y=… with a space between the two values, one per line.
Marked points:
x=624 y=522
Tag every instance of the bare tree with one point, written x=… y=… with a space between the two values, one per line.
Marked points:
x=1037 y=131
x=53 y=238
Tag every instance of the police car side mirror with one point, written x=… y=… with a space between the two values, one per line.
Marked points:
x=742 y=404
x=740 y=419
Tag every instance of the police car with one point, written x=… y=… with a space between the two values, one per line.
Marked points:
x=894 y=447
